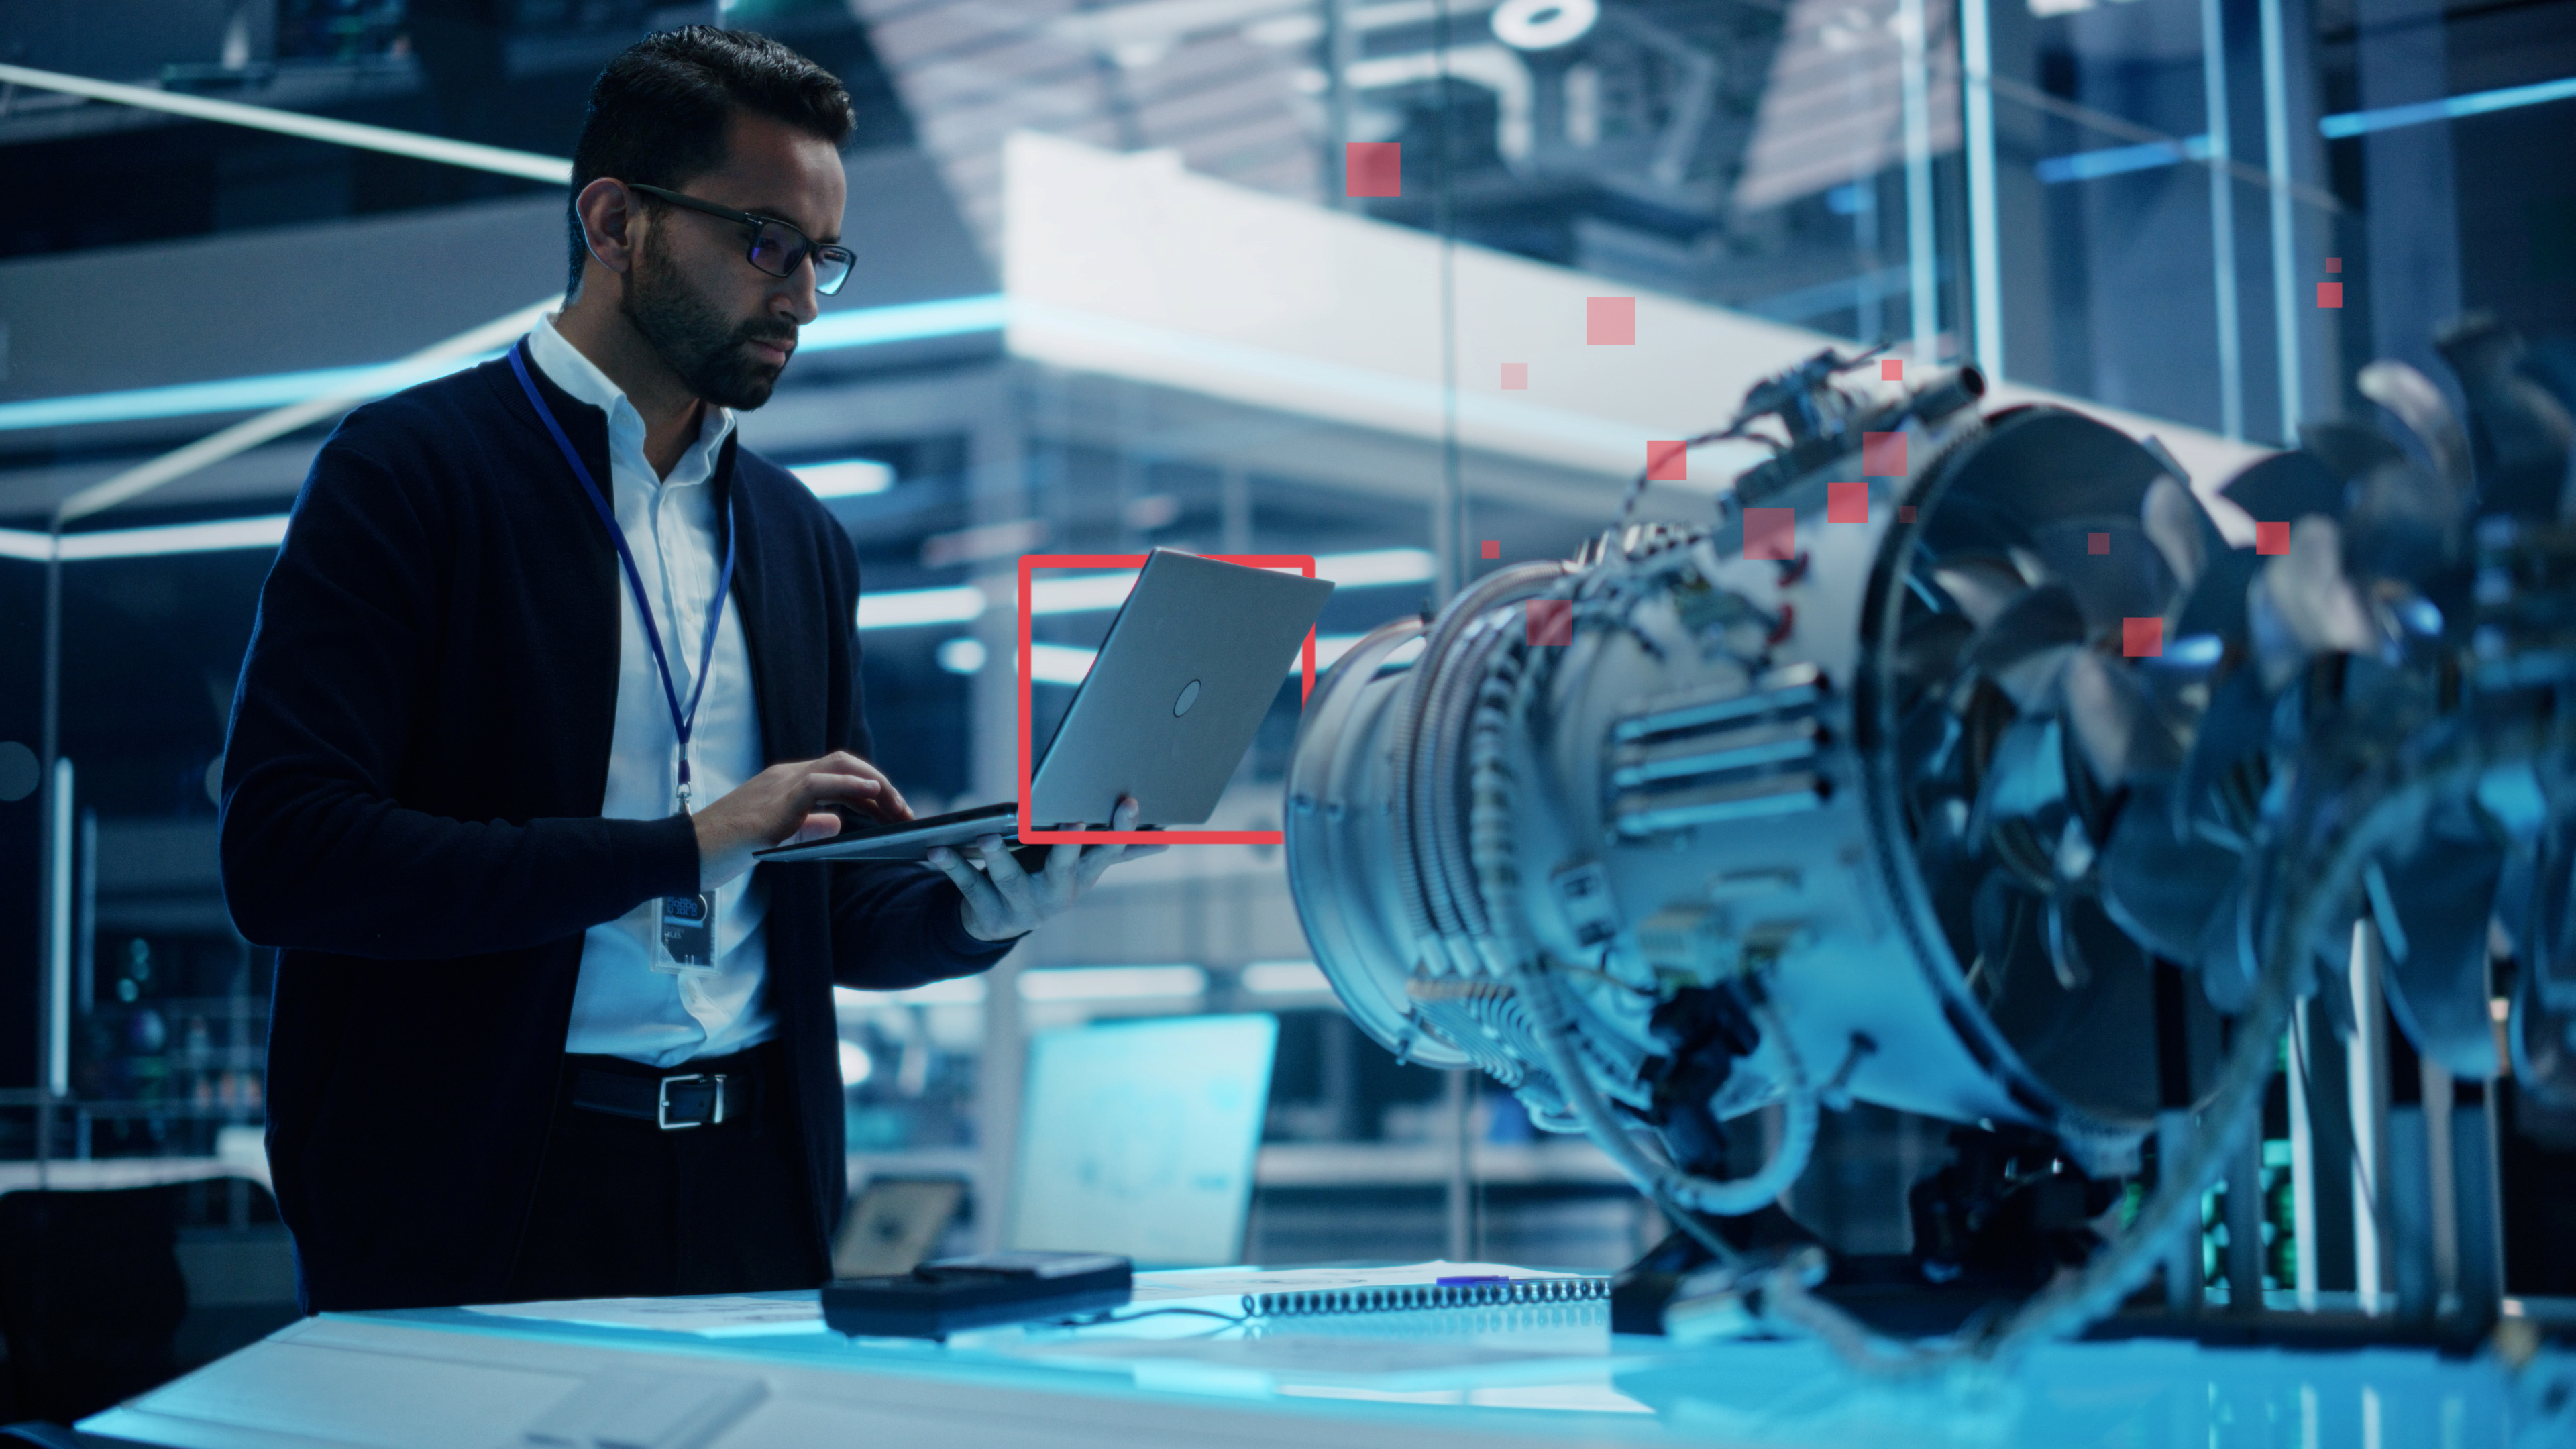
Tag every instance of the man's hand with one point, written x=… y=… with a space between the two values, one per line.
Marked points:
x=785 y=803
x=1005 y=901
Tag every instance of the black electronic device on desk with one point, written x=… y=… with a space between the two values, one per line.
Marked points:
x=941 y=1298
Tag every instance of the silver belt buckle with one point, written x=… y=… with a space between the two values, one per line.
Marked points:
x=662 y=1104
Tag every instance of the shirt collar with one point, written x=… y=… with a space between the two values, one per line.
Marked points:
x=576 y=374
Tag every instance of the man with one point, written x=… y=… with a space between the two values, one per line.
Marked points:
x=546 y=656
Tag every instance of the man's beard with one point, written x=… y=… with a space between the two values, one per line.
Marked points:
x=695 y=339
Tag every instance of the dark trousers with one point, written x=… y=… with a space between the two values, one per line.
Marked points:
x=625 y=1209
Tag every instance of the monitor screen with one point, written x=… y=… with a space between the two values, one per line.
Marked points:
x=1138 y=1138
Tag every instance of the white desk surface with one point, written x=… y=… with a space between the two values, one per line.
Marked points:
x=462 y=1379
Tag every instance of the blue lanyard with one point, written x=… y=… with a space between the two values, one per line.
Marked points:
x=681 y=719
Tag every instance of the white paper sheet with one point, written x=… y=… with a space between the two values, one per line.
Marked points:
x=724 y=1316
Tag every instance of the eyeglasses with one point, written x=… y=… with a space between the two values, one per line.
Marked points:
x=776 y=247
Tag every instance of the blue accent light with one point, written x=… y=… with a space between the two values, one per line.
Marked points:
x=2356 y=123
x=2115 y=160
x=862 y=327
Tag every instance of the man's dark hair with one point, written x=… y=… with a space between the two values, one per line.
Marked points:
x=658 y=112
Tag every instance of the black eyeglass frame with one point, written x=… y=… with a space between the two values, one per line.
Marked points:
x=807 y=246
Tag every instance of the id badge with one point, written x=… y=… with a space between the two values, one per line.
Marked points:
x=684 y=935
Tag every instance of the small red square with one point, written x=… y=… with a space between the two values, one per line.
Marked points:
x=1373 y=168
x=1891 y=369
x=1515 y=375
x=2271 y=539
x=2329 y=294
x=1847 y=502
x=1771 y=533
x=1493 y=548
x=2333 y=265
x=1610 y=321
x=2097 y=543
x=1667 y=460
x=1905 y=513
x=1882 y=455
x=1551 y=621
x=2142 y=638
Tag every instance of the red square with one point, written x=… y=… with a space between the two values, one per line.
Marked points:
x=1516 y=375
x=1030 y=834
x=1882 y=455
x=1610 y=321
x=2142 y=638
x=1905 y=513
x=1771 y=533
x=1667 y=460
x=1847 y=502
x=2329 y=294
x=2097 y=543
x=2271 y=539
x=1373 y=168
x=1551 y=621
x=1493 y=548
x=1891 y=369
x=2333 y=265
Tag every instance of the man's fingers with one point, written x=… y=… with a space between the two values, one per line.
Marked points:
x=1004 y=874
x=1063 y=869
x=979 y=893
x=816 y=826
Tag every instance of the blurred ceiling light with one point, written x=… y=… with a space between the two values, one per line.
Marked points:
x=1375 y=566
x=961 y=655
x=856 y=1065
x=1155 y=510
x=266 y=531
x=983 y=542
x=900 y=608
x=848 y=478
x=1543 y=24
x=1285 y=978
x=1107 y=983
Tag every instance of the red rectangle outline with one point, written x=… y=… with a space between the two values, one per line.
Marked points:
x=1029 y=564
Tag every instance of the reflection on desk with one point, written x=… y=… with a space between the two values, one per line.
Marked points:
x=438 y=1378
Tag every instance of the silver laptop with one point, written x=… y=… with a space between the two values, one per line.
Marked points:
x=1193 y=660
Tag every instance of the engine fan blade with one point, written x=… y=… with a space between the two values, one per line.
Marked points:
x=2522 y=437
x=2237 y=723
x=2161 y=887
x=2301 y=605
x=2432 y=906
x=2286 y=485
x=2181 y=529
x=2421 y=407
x=2127 y=579
x=2113 y=723
x=2217 y=602
x=1983 y=585
x=2023 y=650
x=2399 y=524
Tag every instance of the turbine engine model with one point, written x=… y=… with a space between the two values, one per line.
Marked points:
x=1989 y=792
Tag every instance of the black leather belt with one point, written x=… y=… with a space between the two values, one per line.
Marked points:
x=688 y=1099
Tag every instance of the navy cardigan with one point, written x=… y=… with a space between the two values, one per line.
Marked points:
x=418 y=750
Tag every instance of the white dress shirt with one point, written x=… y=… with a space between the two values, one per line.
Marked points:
x=622 y=1007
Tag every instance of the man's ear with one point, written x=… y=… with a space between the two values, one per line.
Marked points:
x=608 y=218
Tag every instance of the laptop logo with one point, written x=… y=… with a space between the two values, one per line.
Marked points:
x=1189 y=696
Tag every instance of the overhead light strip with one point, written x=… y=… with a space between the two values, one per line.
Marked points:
x=500 y=160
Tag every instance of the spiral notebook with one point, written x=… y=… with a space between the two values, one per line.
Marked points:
x=1449 y=1292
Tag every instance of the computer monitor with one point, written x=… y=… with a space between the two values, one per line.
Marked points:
x=1138 y=1138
